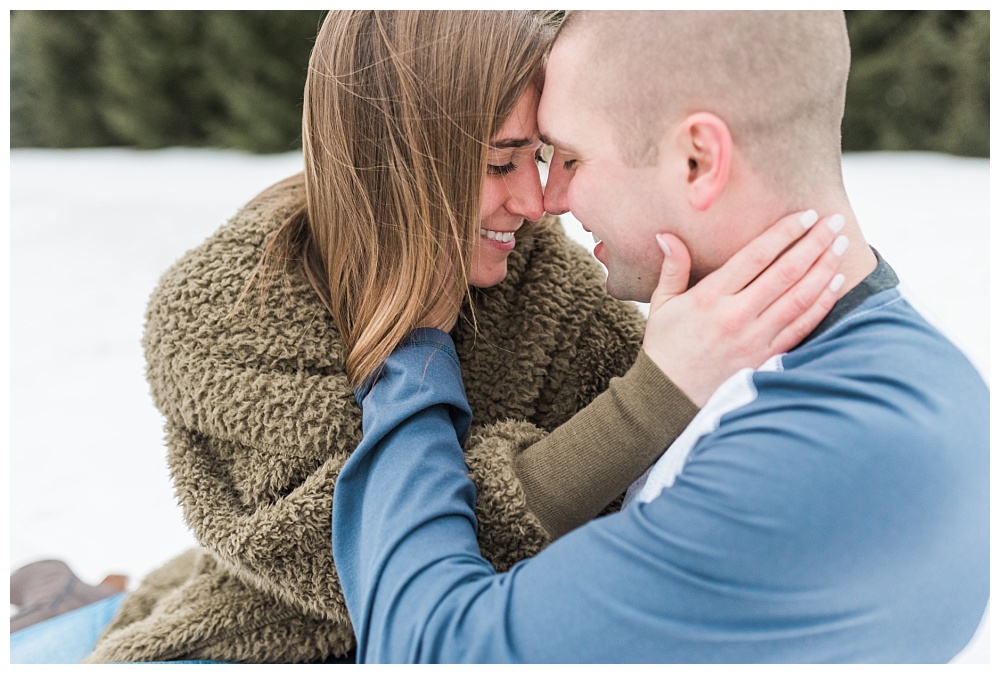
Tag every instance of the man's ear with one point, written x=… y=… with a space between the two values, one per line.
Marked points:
x=706 y=141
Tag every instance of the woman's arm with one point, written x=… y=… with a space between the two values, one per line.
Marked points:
x=572 y=474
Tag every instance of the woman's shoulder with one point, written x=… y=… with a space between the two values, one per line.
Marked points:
x=205 y=295
x=263 y=214
x=248 y=228
x=229 y=254
x=275 y=202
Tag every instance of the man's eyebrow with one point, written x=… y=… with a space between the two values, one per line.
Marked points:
x=505 y=143
x=565 y=147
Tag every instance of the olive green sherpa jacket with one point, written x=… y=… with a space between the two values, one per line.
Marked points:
x=260 y=418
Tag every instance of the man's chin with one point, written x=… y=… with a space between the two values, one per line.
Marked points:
x=627 y=294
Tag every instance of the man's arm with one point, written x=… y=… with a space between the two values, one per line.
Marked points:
x=760 y=553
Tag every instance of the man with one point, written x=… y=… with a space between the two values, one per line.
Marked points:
x=830 y=506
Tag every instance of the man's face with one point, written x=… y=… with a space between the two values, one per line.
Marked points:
x=623 y=206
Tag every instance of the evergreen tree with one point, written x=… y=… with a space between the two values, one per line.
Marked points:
x=152 y=79
x=151 y=75
x=967 y=130
x=54 y=88
x=919 y=81
x=257 y=63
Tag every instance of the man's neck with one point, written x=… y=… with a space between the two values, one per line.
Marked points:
x=858 y=260
x=753 y=199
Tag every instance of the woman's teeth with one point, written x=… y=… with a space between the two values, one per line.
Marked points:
x=596 y=240
x=502 y=237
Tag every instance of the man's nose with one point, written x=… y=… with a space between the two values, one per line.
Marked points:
x=556 y=187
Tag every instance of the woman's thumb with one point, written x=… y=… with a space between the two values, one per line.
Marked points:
x=675 y=271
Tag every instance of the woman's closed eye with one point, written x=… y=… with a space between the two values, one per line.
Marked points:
x=501 y=170
x=510 y=167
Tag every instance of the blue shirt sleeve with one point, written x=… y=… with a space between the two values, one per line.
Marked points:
x=404 y=498
x=737 y=562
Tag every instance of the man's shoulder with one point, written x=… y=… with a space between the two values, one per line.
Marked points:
x=885 y=338
x=882 y=381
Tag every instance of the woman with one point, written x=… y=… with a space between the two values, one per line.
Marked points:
x=420 y=146
x=260 y=415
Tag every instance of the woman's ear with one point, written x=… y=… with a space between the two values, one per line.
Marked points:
x=706 y=140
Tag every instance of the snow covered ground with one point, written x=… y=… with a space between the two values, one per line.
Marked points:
x=91 y=231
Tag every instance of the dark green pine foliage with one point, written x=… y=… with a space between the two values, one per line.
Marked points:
x=54 y=80
x=151 y=79
x=919 y=81
x=148 y=79
x=153 y=88
x=967 y=130
x=256 y=61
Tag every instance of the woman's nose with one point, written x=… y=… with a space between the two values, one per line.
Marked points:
x=526 y=195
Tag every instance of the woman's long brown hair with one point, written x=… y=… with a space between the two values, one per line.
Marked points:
x=398 y=113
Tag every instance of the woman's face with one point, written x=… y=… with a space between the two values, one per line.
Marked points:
x=512 y=191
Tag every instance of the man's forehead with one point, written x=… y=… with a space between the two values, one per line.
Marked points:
x=560 y=66
x=560 y=102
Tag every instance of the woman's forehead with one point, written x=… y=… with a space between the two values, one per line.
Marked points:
x=521 y=128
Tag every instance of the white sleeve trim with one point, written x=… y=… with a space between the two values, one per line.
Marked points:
x=735 y=392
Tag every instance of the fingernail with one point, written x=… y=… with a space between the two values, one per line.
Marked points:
x=839 y=245
x=809 y=218
x=837 y=282
x=836 y=223
x=663 y=245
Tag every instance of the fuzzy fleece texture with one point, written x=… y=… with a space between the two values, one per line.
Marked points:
x=260 y=418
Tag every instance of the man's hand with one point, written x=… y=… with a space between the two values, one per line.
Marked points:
x=761 y=302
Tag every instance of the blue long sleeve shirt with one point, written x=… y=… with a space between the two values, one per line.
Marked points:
x=832 y=506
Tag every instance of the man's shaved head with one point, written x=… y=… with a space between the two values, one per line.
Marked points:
x=777 y=79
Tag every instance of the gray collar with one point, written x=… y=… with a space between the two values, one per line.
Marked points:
x=882 y=278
